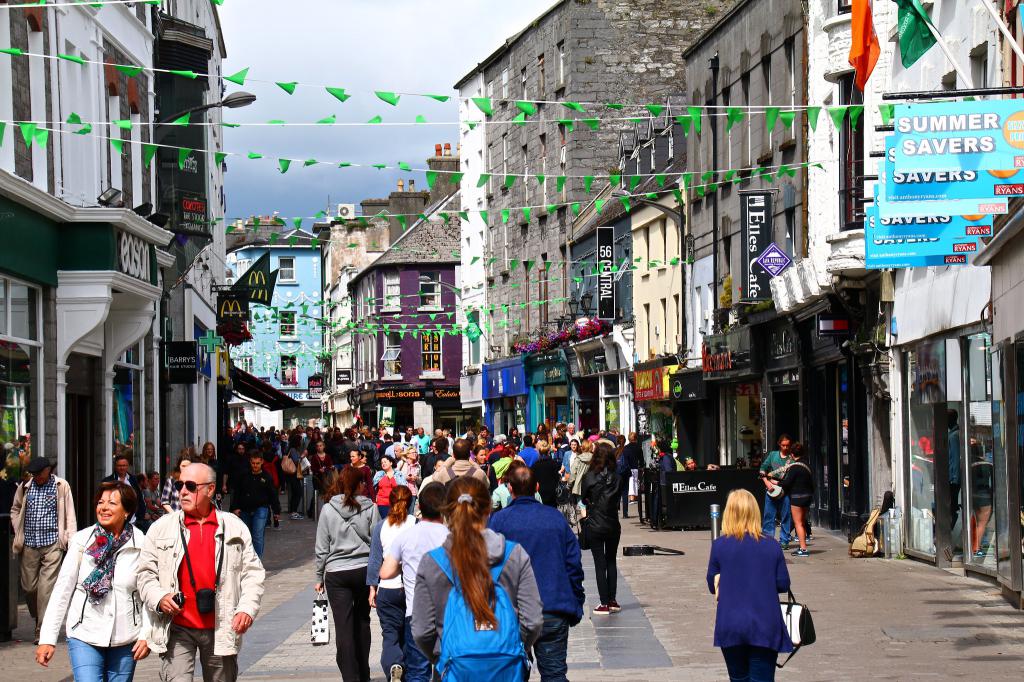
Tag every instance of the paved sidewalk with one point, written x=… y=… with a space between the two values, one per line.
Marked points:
x=876 y=619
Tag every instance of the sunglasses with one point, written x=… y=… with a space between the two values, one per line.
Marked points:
x=192 y=486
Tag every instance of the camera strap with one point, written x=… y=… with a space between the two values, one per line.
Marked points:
x=188 y=560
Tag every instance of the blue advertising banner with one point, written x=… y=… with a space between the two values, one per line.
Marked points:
x=936 y=193
x=922 y=241
x=946 y=136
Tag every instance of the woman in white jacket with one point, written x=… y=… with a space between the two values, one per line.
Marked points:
x=107 y=623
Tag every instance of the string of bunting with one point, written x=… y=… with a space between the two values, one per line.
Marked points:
x=90 y=3
x=526 y=107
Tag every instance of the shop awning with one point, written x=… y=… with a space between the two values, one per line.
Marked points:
x=259 y=391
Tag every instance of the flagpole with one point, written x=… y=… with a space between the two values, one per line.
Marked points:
x=1001 y=25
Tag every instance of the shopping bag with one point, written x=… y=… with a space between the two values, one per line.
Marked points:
x=320 y=627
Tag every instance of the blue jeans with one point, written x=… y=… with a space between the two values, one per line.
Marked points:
x=100 y=664
x=777 y=509
x=417 y=666
x=551 y=648
x=750 y=663
x=256 y=522
x=391 y=611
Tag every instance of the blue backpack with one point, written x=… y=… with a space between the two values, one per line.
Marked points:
x=470 y=655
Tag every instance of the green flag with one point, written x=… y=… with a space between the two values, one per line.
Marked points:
x=915 y=36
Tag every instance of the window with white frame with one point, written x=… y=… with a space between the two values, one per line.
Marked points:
x=20 y=366
x=289 y=370
x=430 y=352
x=392 y=357
x=561 y=63
x=474 y=345
x=287 y=324
x=504 y=83
x=430 y=290
x=286 y=269
x=245 y=363
x=392 y=290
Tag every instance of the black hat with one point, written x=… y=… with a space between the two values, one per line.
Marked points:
x=37 y=465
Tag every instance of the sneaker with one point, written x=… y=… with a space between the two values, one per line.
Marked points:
x=396 y=673
x=980 y=554
x=785 y=546
x=602 y=610
x=613 y=606
x=800 y=552
x=809 y=537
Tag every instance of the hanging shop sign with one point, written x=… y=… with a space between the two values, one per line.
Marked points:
x=976 y=136
x=922 y=242
x=728 y=355
x=133 y=256
x=343 y=377
x=762 y=259
x=232 y=306
x=687 y=386
x=834 y=325
x=606 y=278
x=652 y=384
x=181 y=358
x=315 y=386
x=397 y=395
x=931 y=193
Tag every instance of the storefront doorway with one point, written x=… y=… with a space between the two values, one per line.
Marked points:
x=785 y=414
x=82 y=440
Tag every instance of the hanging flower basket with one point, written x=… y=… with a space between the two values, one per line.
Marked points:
x=577 y=331
x=235 y=333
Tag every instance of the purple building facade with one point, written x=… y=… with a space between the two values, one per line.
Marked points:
x=407 y=368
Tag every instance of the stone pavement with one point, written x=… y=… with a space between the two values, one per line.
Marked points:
x=876 y=619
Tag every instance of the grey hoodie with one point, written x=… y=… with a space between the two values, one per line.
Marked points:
x=433 y=587
x=579 y=467
x=343 y=535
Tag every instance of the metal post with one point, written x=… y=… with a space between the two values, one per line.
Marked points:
x=716 y=521
x=713 y=100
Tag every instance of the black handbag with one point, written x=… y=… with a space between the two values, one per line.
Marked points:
x=799 y=624
x=583 y=535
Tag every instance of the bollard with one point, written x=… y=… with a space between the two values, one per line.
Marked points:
x=716 y=521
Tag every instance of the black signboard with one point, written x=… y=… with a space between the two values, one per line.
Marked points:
x=182 y=359
x=687 y=386
x=606 y=278
x=232 y=306
x=756 y=222
x=315 y=386
x=688 y=495
x=728 y=355
x=343 y=377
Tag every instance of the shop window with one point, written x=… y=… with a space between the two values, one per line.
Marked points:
x=20 y=374
x=744 y=436
x=1000 y=490
x=23 y=302
x=287 y=324
x=289 y=370
x=430 y=351
x=129 y=403
x=979 y=478
x=392 y=357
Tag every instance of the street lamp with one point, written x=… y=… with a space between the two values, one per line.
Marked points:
x=236 y=100
x=585 y=301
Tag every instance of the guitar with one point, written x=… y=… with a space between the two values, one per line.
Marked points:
x=777 y=491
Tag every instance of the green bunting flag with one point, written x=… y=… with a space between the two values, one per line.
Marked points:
x=509 y=181
x=484 y=105
x=439 y=98
x=634 y=182
x=288 y=87
x=421 y=119
x=148 y=152
x=309 y=162
x=128 y=70
x=402 y=165
x=575 y=208
x=574 y=106
x=330 y=120
x=660 y=179
x=181 y=120
x=284 y=165
x=695 y=114
x=625 y=204
x=540 y=179
x=183 y=154
x=191 y=75
x=431 y=179
x=338 y=93
x=787 y=118
x=655 y=109
x=733 y=115
x=520 y=120
x=855 y=112
x=837 y=114
x=218 y=158
x=812 y=117
x=403 y=221
x=238 y=78
x=28 y=132
x=551 y=208
x=72 y=58
x=588 y=181
x=592 y=123
x=3 y=129
x=528 y=108
x=254 y=155
x=569 y=124
x=771 y=116
x=389 y=97
x=118 y=145
x=483 y=179
x=505 y=215
x=886 y=111
x=483 y=216
x=559 y=183
x=376 y=119
x=684 y=122
x=526 y=213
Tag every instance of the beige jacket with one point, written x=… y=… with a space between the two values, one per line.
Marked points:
x=460 y=467
x=241 y=581
x=67 y=524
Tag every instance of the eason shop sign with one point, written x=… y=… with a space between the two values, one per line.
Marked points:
x=982 y=135
x=921 y=242
x=133 y=256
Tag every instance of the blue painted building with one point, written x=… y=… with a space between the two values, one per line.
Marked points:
x=287 y=337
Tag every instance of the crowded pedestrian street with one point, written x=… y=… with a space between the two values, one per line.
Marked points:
x=878 y=619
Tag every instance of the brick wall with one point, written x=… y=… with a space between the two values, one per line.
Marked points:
x=21 y=94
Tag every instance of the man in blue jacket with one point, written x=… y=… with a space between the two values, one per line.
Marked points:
x=555 y=554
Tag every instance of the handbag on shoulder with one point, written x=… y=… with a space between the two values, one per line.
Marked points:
x=799 y=624
x=583 y=535
x=320 y=626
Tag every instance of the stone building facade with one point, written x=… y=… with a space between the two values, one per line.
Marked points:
x=600 y=51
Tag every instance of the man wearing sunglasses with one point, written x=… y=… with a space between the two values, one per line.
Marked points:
x=200 y=574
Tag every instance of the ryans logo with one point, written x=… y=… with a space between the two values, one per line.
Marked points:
x=701 y=487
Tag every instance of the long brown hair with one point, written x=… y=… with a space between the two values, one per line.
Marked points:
x=466 y=520
x=399 y=500
x=349 y=484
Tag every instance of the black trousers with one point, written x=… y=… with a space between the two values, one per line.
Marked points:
x=350 y=604
x=294 y=493
x=604 y=548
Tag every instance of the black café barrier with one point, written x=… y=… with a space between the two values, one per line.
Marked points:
x=687 y=496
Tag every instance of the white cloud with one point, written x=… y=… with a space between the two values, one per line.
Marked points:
x=362 y=46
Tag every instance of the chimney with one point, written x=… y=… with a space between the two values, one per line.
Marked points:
x=447 y=149
x=412 y=185
x=437 y=150
x=401 y=185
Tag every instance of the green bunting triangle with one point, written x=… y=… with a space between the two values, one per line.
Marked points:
x=559 y=183
x=439 y=98
x=812 y=117
x=520 y=119
x=528 y=108
x=238 y=78
x=787 y=118
x=148 y=152
x=837 y=114
x=431 y=179
x=505 y=215
x=855 y=113
x=588 y=181
x=886 y=111
x=330 y=120
x=634 y=182
x=660 y=179
x=389 y=97
x=484 y=105
x=191 y=75
x=655 y=109
x=625 y=204
x=483 y=179
x=483 y=216
x=771 y=117
x=338 y=93
x=455 y=178
x=118 y=145
x=218 y=158
x=540 y=179
x=376 y=119
x=182 y=120
x=28 y=131
x=592 y=123
x=575 y=207
x=733 y=115
x=284 y=165
x=183 y=154
x=509 y=181
x=288 y=87
x=526 y=213
x=695 y=115
x=402 y=165
x=574 y=106
x=128 y=70
x=71 y=58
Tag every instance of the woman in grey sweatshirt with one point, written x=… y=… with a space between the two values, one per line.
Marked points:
x=342 y=553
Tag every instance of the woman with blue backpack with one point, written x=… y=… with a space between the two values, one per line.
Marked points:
x=477 y=607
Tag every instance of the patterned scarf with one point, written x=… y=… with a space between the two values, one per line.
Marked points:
x=104 y=551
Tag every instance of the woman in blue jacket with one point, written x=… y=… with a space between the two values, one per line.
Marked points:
x=746 y=572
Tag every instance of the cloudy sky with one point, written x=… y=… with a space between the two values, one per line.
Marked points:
x=362 y=46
